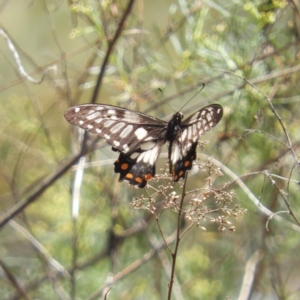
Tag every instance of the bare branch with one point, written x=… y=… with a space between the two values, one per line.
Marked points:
x=20 y=68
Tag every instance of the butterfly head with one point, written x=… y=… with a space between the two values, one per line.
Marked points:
x=178 y=117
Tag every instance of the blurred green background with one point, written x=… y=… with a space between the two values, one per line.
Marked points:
x=247 y=55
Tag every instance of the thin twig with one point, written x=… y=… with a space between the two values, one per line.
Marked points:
x=14 y=281
x=18 y=62
x=250 y=195
x=249 y=275
x=134 y=266
x=44 y=184
x=274 y=75
x=111 y=45
x=40 y=248
x=174 y=254
x=285 y=201
x=167 y=267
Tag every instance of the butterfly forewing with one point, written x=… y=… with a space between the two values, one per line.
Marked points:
x=201 y=121
x=123 y=129
x=139 y=138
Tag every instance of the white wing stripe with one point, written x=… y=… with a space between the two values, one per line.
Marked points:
x=154 y=153
x=93 y=115
x=109 y=123
x=141 y=133
x=126 y=148
x=117 y=127
x=126 y=131
x=195 y=131
x=175 y=154
x=183 y=136
x=111 y=112
x=149 y=156
x=140 y=156
x=189 y=133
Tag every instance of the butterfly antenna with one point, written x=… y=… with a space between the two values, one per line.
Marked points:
x=203 y=85
x=166 y=102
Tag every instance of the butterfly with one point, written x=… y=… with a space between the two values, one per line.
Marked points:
x=139 y=138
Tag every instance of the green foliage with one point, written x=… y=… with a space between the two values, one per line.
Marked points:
x=246 y=53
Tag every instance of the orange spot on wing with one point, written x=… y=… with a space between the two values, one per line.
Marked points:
x=180 y=173
x=124 y=166
x=186 y=163
x=129 y=176
x=148 y=176
x=138 y=179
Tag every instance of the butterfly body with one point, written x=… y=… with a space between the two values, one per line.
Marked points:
x=139 y=138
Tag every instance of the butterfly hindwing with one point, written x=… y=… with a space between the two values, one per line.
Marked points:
x=183 y=151
x=185 y=162
x=139 y=167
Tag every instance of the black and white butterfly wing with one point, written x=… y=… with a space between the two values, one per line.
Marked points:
x=183 y=148
x=125 y=130
x=138 y=137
